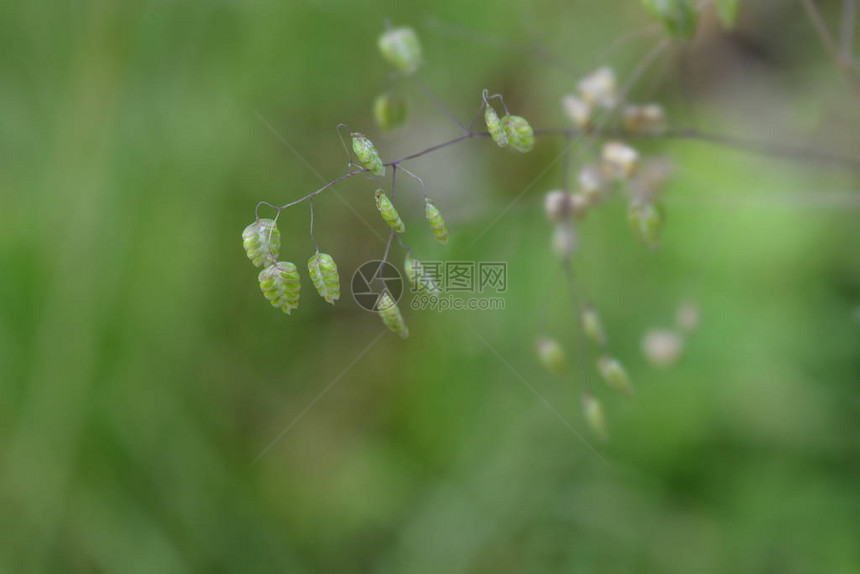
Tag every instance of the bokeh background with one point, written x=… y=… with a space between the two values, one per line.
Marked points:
x=142 y=374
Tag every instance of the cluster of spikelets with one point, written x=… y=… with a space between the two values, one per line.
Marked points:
x=596 y=106
x=279 y=280
x=551 y=354
x=509 y=130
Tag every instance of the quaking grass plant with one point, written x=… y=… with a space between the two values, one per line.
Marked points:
x=604 y=122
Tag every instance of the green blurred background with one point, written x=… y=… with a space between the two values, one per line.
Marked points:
x=143 y=373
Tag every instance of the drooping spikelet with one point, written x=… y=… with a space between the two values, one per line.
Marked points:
x=367 y=155
x=646 y=220
x=592 y=325
x=495 y=127
x=552 y=356
x=594 y=416
x=280 y=284
x=391 y=316
x=619 y=160
x=388 y=212
x=419 y=278
x=389 y=111
x=614 y=374
x=400 y=46
x=436 y=221
x=262 y=242
x=324 y=275
x=521 y=137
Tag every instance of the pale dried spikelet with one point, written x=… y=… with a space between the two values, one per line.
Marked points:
x=436 y=221
x=565 y=240
x=520 y=135
x=578 y=111
x=592 y=325
x=262 y=242
x=367 y=155
x=495 y=127
x=614 y=375
x=687 y=316
x=419 y=279
x=324 y=275
x=389 y=111
x=592 y=410
x=662 y=347
x=646 y=118
x=619 y=160
x=561 y=205
x=599 y=88
x=551 y=354
x=280 y=284
x=646 y=220
x=557 y=205
x=390 y=314
x=400 y=46
x=593 y=184
x=388 y=212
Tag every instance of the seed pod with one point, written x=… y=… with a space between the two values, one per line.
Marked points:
x=495 y=127
x=662 y=347
x=614 y=375
x=437 y=223
x=280 y=284
x=593 y=184
x=520 y=135
x=594 y=416
x=324 y=276
x=391 y=316
x=389 y=111
x=565 y=240
x=419 y=278
x=400 y=46
x=599 y=88
x=578 y=111
x=592 y=324
x=550 y=353
x=389 y=214
x=262 y=242
x=648 y=118
x=619 y=160
x=367 y=155
x=646 y=219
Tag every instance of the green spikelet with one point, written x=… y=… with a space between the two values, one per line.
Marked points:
x=595 y=417
x=367 y=155
x=519 y=132
x=550 y=353
x=280 y=284
x=419 y=279
x=614 y=375
x=391 y=315
x=495 y=127
x=324 y=275
x=262 y=242
x=646 y=220
x=679 y=17
x=436 y=221
x=400 y=46
x=389 y=111
x=388 y=212
x=592 y=325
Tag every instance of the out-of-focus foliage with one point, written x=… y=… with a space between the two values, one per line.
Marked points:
x=142 y=374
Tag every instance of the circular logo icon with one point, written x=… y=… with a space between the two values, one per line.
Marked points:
x=373 y=279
